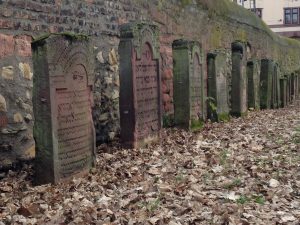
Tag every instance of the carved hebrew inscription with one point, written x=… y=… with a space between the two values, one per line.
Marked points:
x=73 y=120
x=146 y=70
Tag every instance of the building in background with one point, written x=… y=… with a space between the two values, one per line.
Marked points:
x=282 y=16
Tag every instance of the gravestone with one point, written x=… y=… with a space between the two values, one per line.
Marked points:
x=239 y=80
x=297 y=85
x=289 y=89
x=62 y=100
x=293 y=87
x=266 y=76
x=189 y=85
x=253 y=74
x=218 y=94
x=278 y=75
x=287 y=77
x=275 y=99
x=140 y=84
x=283 y=92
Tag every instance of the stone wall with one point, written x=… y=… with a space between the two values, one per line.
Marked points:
x=213 y=23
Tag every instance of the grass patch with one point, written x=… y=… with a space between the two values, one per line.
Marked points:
x=196 y=125
x=223 y=157
x=237 y=182
x=243 y=199
x=151 y=206
x=260 y=200
x=179 y=178
x=168 y=121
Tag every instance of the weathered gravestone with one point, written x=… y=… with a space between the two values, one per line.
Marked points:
x=297 y=85
x=62 y=100
x=218 y=100
x=253 y=74
x=239 y=80
x=293 y=87
x=275 y=99
x=288 y=90
x=266 y=76
x=189 y=85
x=283 y=92
x=278 y=76
x=140 y=97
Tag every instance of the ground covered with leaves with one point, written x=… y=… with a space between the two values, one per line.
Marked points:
x=246 y=171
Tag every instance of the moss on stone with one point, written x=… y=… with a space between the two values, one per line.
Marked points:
x=168 y=121
x=68 y=35
x=196 y=125
x=223 y=117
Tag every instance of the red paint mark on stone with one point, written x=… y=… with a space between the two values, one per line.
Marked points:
x=6 y=46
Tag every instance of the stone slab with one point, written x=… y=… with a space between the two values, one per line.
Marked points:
x=266 y=76
x=283 y=92
x=218 y=69
x=239 y=80
x=189 y=84
x=275 y=99
x=140 y=84
x=253 y=74
x=62 y=103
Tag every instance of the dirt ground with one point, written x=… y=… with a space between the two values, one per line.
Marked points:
x=246 y=171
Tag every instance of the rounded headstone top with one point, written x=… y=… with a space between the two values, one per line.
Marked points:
x=238 y=46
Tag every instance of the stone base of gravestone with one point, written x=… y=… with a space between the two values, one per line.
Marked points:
x=219 y=71
x=189 y=85
x=62 y=102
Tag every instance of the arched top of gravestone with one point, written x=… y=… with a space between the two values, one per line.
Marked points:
x=140 y=33
x=238 y=46
x=193 y=46
x=197 y=52
x=67 y=51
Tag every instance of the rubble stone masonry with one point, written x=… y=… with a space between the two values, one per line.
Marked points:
x=215 y=24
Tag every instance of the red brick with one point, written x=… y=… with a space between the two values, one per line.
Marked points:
x=157 y=15
x=6 y=46
x=3 y=120
x=23 y=45
x=166 y=49
x=6 y=24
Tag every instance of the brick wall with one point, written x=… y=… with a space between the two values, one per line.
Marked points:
x=22 y=20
